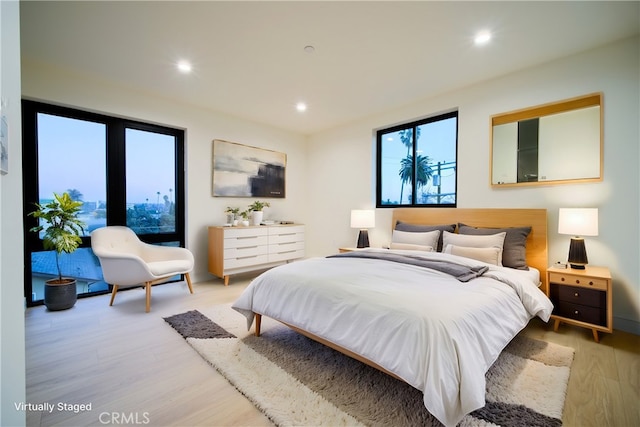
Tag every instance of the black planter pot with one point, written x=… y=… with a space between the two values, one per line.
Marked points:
x=60 y=296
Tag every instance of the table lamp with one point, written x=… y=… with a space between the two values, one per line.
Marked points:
x=578 y=222
x=363 y=219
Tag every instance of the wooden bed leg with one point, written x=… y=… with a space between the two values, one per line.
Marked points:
x=258 y=319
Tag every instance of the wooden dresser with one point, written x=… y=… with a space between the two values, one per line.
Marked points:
x=235 y=250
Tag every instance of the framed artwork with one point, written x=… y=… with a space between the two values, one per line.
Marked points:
x=4 y=146
x=244 y=171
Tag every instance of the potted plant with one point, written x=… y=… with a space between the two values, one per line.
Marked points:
x=62 y=231
x=256 y=209
x=245 y=217
x=232 y=215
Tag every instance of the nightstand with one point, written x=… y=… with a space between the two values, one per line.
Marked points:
x=581 y=297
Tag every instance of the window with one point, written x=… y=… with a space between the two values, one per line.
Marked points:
x=125 y=173
x=416 y=163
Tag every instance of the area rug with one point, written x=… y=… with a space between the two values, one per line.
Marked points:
x=297 y=381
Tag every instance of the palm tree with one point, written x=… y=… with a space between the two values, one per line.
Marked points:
x=75 y=194
x=423 y=171
x=406 y=137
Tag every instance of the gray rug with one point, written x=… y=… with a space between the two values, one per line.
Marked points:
x=525 y=387
x=194 y=324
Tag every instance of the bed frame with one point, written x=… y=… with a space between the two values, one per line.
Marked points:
x=536 y=252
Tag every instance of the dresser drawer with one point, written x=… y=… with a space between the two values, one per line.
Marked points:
x=286 y=238
x=286 y=229
x=581 y=313
x=244 y=252
x=245 y=232
x=284 y=251
x=579 y=295
x=245 y=241
x=245 y=261
x=286 y=255
x=587 y=282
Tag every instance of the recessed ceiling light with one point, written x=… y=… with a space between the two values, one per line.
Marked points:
x=482 y=38
x=309 y=49
x=184 y=66
x=301 y=107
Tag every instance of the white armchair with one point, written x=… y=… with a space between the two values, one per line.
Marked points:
x=127 y=261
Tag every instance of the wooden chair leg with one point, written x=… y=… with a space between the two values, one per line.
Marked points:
x=188 y=278
x=147 y=286
x=113 y=294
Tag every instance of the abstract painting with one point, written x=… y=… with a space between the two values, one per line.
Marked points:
x=244 y=171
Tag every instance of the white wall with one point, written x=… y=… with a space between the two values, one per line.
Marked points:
x=342 y=178
x=202 y=126
x=12 y=339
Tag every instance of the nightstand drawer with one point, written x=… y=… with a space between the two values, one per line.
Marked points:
x=581 y=313
x=579 y=295
x=587 y=282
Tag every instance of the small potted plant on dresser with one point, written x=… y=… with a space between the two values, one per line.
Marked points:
x=232 y=215
x=62 y=231
x=245 y=217
x=256 y=211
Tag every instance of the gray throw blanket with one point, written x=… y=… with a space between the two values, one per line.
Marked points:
x=460 y=272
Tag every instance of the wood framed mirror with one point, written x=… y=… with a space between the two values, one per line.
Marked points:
x=555 y=143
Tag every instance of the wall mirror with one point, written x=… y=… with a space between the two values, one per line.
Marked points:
x=554 y=143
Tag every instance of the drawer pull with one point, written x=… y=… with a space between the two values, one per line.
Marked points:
x=577 y=281
x=576 y=312
x=576 y=294
x=562 y=279
x=590 y=283
x=248 y=247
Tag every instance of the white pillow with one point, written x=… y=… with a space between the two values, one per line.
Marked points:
x=411 y=247
x=427 y=238
x=475 y=241
x=488 y=255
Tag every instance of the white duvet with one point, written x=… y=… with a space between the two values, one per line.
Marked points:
x=436 y=333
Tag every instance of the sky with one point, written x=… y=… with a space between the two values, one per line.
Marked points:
x=80 y=146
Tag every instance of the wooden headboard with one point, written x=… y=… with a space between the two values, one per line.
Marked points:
x=489 y=217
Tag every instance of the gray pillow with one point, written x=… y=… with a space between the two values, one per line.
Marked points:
x=418 y=228
x=515 y=243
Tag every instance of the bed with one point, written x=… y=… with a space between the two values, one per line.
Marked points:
x=435 y=320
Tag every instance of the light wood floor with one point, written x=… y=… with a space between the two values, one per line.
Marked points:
x=132 y=366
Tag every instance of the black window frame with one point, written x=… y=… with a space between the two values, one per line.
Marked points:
x=115 y=171
x=413 y=125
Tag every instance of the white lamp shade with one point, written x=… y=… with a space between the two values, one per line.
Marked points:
x=363 y=218
x=578 y=221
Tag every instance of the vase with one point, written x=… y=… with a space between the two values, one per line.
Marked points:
x=60 y=296
x=256 y=217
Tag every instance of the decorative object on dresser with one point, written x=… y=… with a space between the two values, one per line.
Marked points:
x=363 y=219
x=242 y=249
x=245 y=171
x=232 y=215
x=581 y=297
x=578 y=222
x=256 y=211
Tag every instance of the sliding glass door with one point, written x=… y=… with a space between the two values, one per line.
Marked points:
x=124 y=172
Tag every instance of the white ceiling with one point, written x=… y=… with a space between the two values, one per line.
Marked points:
x=249 y=59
